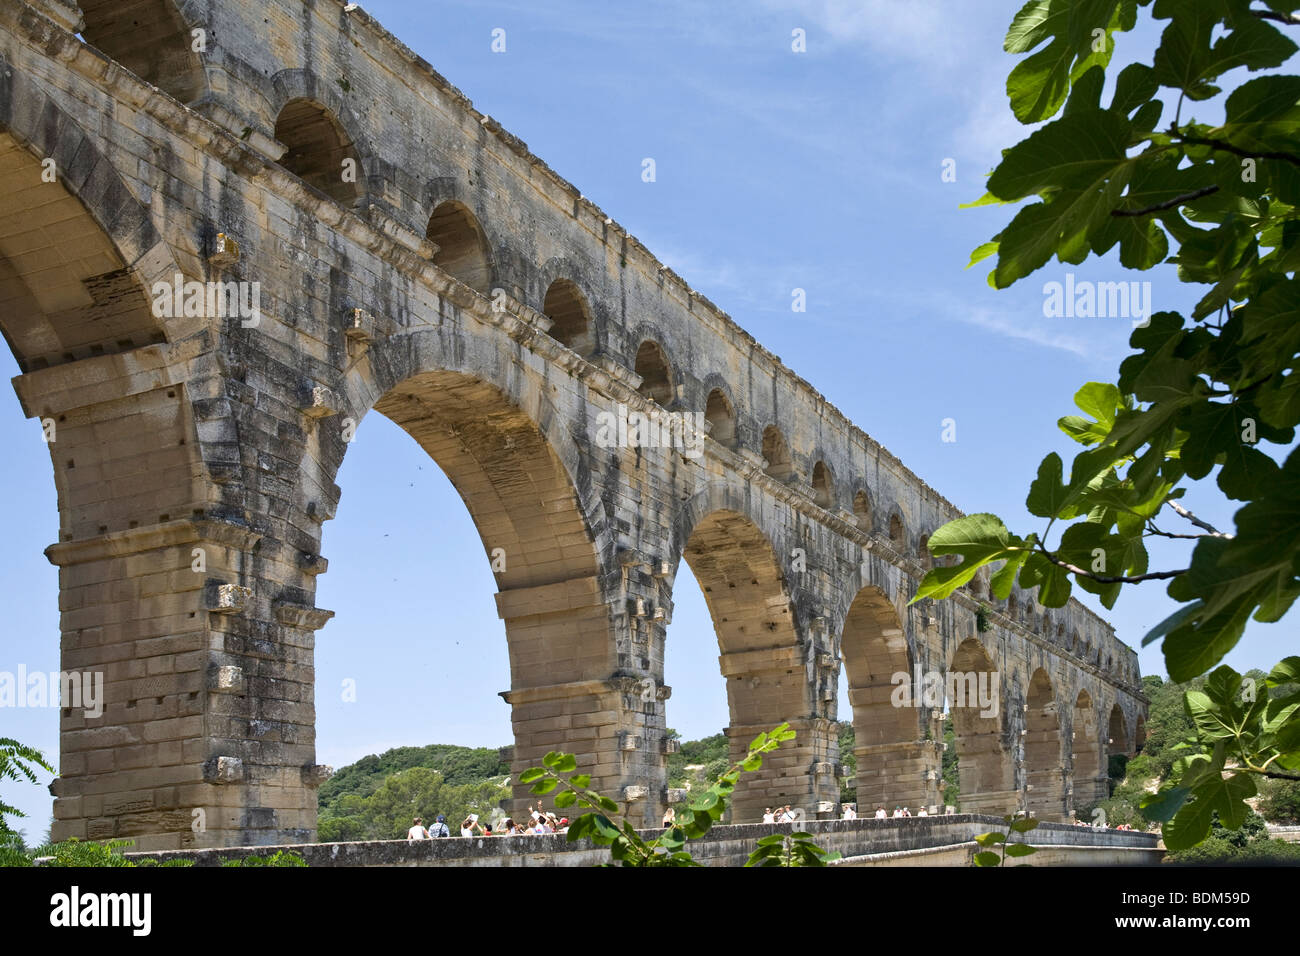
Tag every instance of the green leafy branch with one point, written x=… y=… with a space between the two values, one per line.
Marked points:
x=1243 y=731
x=989 y=857
x=18 y=763
x=604 y=825
x=1203 y=394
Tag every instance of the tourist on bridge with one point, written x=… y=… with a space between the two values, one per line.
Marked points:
x=880 y=813
x=769 y=816
x=417 y=832
x=439 y=828
x=849 y=812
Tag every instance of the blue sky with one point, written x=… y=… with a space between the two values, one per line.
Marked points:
x=775 y=170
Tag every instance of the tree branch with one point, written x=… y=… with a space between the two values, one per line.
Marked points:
x=1229 y=148
x=1167 y=204
x=1109 y=579
x=1286 y=18
x=1214 y=532
x=1153 y=530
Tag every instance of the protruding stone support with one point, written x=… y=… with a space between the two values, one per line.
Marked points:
x=802 y=773
x=904 y=774
x=1045 y=796
x=615 y=725
x=592 y=720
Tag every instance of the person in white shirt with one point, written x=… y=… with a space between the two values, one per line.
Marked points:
x=880 y=813
x=417 y=832
x=923 y=812
x=769 y=816
x=898 y=812
x=849 y=812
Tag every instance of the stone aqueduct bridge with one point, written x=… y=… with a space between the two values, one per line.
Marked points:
x=462 y=289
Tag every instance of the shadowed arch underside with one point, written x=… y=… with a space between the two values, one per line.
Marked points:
x=984 y=766
x=519 y=495
x=149 y=38
x=897 y=766
x=524 y=504
x=1044 y=766
x=761 y=657
x=1089 y=782
x=65 y=293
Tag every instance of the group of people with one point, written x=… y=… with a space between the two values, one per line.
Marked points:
x=539 y=822
x=785 y=814
x=1084 y=823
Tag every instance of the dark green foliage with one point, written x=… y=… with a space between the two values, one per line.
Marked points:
x=458 y=765
x=792 y=849
x=1207 y=399
x=847 y=739
x=386 y=813
x=605 y=824
x=951 y=783
x=18 y=763
x=1248 y=844
x=709 y=756
x=278 y=858
x=78 y=853
x=988 y=856
x=1280 y=801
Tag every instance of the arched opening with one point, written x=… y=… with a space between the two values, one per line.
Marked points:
x=320 y=152
x=531 y=529
x=984 y=766
x=1044 y=763
x=721 y=417
x=897 y=534
x=462 y=249
x=777 y=455
x=566 y=307
x=150 y=39
x=1089 y=784
x=65 y=293
x=760 y=656
x=862 y=511
x=1139 y=735
x=896 y=723
x=72 y=288
x=822 y=486
x=1117 y=747
x=656 y=376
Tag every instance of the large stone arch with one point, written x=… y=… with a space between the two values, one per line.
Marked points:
x=985 y=767
x=302 y=84
x=1088 y=774
x=108 y=250
x=1044 y=763
x=764 y=653
x=526 y=484
x=152 y=39
x=896 y=717
x=1118 y=744
x=97 y=364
